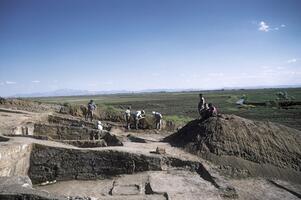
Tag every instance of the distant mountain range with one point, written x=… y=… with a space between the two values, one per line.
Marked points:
x=68 y=92
x=72 y=92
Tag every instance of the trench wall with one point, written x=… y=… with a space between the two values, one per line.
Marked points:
x=14 y=159
x=53 y=163
x=62 y=132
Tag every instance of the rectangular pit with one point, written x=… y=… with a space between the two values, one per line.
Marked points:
x=54 y=163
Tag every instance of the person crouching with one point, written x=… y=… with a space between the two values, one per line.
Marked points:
x=137 y=117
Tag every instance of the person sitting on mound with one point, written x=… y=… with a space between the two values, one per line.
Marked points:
x=210 y=112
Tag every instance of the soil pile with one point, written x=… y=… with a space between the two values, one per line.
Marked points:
x=244 y=147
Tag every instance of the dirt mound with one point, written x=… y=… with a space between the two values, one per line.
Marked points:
x=243 y=147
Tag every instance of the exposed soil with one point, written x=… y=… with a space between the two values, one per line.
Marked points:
x=27 y=105
x=52 y=156
x=244 y=147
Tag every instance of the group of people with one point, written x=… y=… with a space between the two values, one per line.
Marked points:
x=206 y=110
x=140 y=114
x=136 y=116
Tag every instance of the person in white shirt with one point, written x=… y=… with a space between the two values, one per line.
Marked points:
x=99 y=125
x=201 y=105
x=158 y=119
x=137 y=117
x=127 y=115
x=94 y=135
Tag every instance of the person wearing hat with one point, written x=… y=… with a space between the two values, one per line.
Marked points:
x=127 y=115
x=158 y=119
x=91 y=109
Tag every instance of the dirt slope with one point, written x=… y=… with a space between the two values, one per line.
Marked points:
x=27 y=105
x=244 y=147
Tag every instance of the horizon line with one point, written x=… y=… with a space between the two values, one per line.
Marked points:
x=123 y=91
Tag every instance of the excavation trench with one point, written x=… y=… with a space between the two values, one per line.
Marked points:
x=49 y=163
x=72 y=131
x=67 y=166
x=66 y=158
x=52 y=163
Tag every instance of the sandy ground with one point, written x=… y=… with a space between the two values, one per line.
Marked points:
x=257 y=189
x=249 y=189
x=11 y=118
x=174 y=183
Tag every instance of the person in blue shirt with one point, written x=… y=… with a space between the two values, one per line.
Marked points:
x=91 y=109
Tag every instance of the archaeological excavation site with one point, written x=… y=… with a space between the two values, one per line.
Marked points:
x=48 y=152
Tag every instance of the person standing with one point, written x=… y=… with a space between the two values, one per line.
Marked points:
x=127 y=115
x=204 y=111
x=201 y=105
x=91 y=109
x=158 y=119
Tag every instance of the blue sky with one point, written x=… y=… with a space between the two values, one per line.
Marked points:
x=148 y=44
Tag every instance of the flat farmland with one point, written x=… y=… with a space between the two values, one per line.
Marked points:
x=184 y=104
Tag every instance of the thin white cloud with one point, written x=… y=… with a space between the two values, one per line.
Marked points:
x=216 y=74
x=268 y=76
x=265 y=67
x=280 y=67
x=10 y=82
x=293 y=60
x=277 y=28
x=183 y=74
x=36 y=81
x=92 y=84
x=263 y=26
x=155 y=74
x=107 y=83
x=1 y=83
